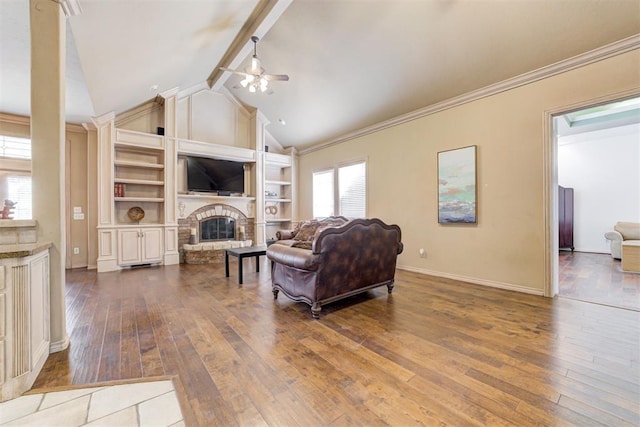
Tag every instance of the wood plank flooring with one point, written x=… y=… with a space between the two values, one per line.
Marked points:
x=435 y=352
x=598 y=278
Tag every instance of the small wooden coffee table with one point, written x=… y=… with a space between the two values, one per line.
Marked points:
x=242 y=253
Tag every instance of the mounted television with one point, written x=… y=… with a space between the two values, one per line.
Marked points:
x=214 y=175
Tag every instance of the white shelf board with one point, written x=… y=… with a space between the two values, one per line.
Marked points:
x=273 y=182
x=137 y=181
x=135 y=146
x=138 y=199
x=130 y=164
x=278 y=220
x=204 y=196
x=274 y=200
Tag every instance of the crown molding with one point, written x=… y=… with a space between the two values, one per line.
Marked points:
x=12 y=118
x=25 y=120
x=70 y=7
x=617 y=48
x=102 y=120
x=88 y=127
x=222 y=91
x=193 y=89
x=169 y=93
x=75 y=128
x=139 y=111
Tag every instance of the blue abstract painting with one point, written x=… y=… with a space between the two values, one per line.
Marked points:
x=457 y=186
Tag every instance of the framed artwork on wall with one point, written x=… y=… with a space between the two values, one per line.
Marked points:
x=457 y=186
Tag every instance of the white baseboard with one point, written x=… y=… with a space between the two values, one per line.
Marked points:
x=57 y=346
x=483 y=282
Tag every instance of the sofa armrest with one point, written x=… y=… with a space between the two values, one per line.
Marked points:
x=293 y=257
x=613 y=236
x=284 y=234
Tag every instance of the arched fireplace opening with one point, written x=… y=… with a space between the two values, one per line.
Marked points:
x=217 y=228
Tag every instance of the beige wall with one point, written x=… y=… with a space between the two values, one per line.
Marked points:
x=76 y=176
x=506 y=247
x=76 y=179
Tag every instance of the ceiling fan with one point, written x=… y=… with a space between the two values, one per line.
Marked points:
x=255 y=77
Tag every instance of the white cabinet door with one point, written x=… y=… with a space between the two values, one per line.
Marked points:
x=39 y=307
x=152 y=244
x=129 y=247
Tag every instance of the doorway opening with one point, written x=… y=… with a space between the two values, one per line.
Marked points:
x=595 y=158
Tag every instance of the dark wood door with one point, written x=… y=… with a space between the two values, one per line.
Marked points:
x=565 y=217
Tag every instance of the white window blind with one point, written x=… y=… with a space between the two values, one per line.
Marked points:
x=17 y=148
x=353 y=190
x=19 y=191
x=323 y=194
x=348 y=198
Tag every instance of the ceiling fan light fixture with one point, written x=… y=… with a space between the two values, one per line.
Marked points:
x=254 y=76
x=255 y=64
x=247 y=80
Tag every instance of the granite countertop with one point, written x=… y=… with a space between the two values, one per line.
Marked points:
x=17 y=223
x=21 y=250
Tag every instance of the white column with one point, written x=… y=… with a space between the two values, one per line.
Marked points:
x=258 y=122
x=107 y=236
x=47 y=29
x=171 y=254
x=294 y=182
x=92 y=195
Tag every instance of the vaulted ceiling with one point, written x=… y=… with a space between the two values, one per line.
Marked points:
x=351 y=63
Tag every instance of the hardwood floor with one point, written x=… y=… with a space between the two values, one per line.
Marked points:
x=598 y=278
x=435 y=352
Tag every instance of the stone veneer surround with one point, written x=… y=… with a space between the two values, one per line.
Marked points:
x=206 y=255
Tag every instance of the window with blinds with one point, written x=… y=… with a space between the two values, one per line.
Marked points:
x=16 y=148
x=347 y=198
x=19 y=192
x=15 y=178
x=352 y=190
x=323 y=205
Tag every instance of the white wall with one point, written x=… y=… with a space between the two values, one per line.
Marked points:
x=603 y=168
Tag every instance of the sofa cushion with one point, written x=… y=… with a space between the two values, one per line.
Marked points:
x=302 y=244
x=629 y=230
x=288 y=242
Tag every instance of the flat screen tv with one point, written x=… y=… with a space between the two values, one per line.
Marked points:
x=214 y=175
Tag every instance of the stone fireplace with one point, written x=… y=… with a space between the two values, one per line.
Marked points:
x=216 y=227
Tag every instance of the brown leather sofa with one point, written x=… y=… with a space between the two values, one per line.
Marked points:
x=340 y=261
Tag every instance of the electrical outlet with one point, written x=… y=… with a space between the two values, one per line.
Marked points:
x=76 y=251
x=423 y=253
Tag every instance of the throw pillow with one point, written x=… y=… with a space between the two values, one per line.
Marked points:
x=307 y=231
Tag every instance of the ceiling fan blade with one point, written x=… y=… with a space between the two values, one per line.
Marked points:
x=271 y=77
x=240 y=73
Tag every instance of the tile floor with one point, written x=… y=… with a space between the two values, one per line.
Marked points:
x=152 y=403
